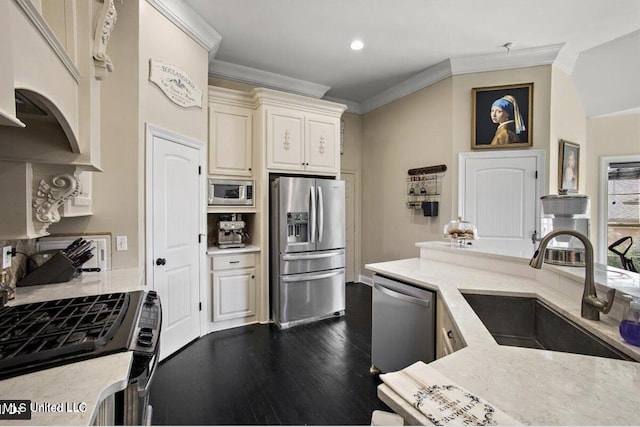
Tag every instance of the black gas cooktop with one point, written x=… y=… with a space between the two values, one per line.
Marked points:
x=51 y=333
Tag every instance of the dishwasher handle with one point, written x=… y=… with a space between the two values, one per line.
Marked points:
x=401 y=296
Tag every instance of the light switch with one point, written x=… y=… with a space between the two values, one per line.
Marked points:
x=6 y=257
x=121 y=243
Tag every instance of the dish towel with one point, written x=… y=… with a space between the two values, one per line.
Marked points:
x=442 y=401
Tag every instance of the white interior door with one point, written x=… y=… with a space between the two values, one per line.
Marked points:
x=175 y=194
x=500 y=196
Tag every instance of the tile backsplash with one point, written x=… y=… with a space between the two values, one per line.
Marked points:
x=18 y=263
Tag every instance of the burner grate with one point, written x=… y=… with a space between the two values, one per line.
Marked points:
x=51 y=330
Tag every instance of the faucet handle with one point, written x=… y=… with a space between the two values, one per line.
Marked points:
x=599 y=304
x=611 y=294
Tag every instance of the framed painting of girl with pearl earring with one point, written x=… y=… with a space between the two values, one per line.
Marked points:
x=502 y=116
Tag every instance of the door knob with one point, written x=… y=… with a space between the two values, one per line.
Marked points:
x=161 y=261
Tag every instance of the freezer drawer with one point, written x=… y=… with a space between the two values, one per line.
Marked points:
x=402 y=325
x=303 y=262
x=308 y=296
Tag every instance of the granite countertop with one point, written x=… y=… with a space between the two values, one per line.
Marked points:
x=77 y=388
x=537 y=387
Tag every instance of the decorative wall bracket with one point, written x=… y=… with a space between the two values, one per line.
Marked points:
x=104 y=26
x=52 y=186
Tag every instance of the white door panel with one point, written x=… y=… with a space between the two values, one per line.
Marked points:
x=500 y=195
x=175 y=203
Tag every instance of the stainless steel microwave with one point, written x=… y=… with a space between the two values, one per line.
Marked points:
x=229 y=192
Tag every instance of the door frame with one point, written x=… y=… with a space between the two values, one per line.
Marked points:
x=151 y=132
x=357 y=275
x=603 y=202
x=541 y=181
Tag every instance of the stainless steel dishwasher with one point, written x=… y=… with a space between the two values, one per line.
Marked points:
x=402 y=325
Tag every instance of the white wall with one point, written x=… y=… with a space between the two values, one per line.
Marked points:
x=129 y=101
x=607 y=76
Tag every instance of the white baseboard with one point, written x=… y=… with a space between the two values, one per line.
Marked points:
x=365 y=279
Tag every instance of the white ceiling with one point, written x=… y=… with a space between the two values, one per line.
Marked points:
x=309 y=39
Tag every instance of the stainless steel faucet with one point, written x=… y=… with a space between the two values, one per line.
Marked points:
x=591 y=304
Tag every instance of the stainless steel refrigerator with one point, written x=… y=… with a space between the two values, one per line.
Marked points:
x=307 y=249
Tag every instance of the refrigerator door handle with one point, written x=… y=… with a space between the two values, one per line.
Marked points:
x=311 y=276
x=320 y=215
x=312 y=210
x=298 y=257
x=401 y=296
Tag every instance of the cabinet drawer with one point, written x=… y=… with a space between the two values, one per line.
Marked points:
x=226 y=262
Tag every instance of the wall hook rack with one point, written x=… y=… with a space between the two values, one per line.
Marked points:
x=424 y=186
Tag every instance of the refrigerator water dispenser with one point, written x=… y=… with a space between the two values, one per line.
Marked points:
x=297 y=227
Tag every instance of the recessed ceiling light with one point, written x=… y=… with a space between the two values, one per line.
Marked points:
x=357 y=45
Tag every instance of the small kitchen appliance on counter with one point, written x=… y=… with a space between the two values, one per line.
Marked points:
x=231 y=233
x=565 y=212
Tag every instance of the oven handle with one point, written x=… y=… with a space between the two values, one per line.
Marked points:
x=144 y=390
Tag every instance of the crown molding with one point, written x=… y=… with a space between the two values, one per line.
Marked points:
x=544 y=55
x=190 y=22
x=352 y=106
x=427 y=77
x=267 y=79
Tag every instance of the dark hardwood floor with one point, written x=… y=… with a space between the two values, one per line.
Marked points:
x=309 y=374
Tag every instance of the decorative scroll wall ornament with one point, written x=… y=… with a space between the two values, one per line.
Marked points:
x=175 y=84
x=285 y=143
x=322 y=143
x=50 y=192
x=104 y=27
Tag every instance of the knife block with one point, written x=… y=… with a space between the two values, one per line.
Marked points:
x=56 y=270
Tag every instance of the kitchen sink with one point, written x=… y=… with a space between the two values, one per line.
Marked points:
x=528 y=322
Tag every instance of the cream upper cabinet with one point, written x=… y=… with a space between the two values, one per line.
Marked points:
x=302 y=141
x=230 y=140
x=322 y=136
x=285 y=131
x=230 y=132
x=302 y=134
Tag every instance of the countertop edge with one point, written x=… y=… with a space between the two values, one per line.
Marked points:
x=485 y=368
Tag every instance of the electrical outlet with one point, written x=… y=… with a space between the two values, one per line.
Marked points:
x=121 y=243
x=6 y=257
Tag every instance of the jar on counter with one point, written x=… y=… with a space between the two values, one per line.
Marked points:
x=630 y=325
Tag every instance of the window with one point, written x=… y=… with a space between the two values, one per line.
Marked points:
x=623 y=211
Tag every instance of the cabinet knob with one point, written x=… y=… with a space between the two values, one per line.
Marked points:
x=161 y=261
x=253 y=277
x=249 y=169
x=450 y=334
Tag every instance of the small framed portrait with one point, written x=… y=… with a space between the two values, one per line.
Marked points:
x=568 y=166
x=502 y=116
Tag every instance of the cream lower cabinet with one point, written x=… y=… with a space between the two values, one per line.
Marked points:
x=233 y=290
x=448 y=338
